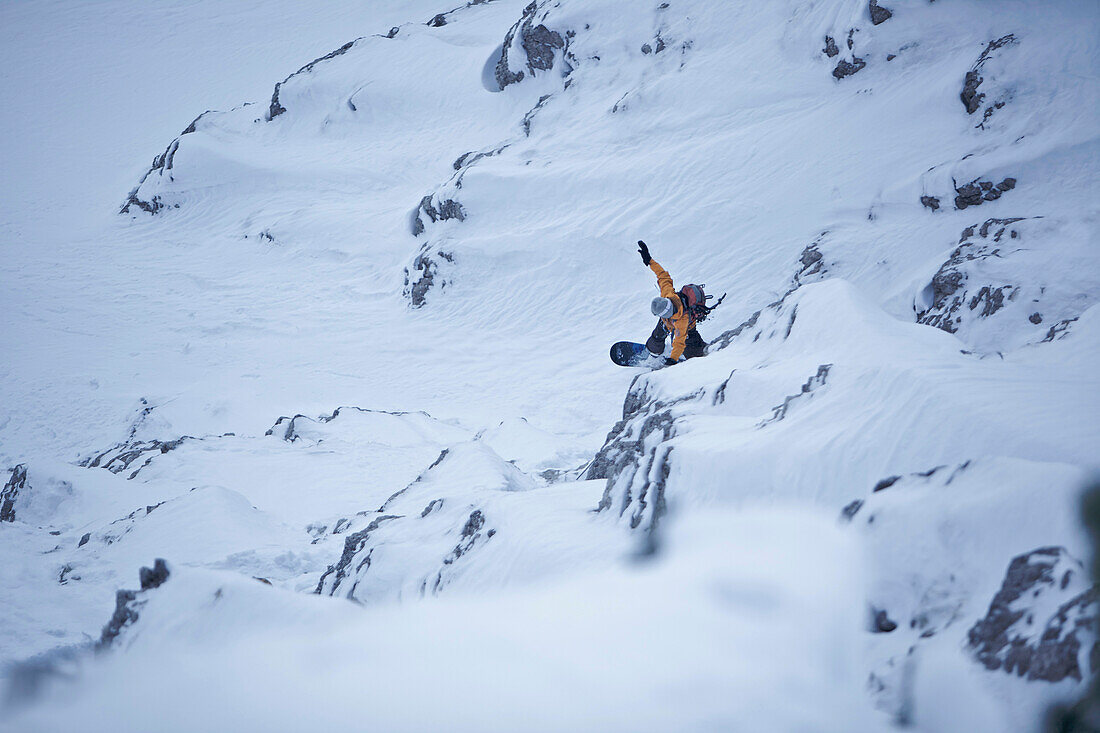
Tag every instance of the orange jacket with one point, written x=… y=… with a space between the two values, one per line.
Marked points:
x=681 y=321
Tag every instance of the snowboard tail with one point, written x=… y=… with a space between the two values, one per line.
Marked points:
x=629 y=354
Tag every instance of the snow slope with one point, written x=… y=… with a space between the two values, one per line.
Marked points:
x=347 y=335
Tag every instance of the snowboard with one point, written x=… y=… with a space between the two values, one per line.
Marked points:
x=630 y=354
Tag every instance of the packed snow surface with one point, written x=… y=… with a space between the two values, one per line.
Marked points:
x=316 y=306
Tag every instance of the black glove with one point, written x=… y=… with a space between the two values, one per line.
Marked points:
x=670 y=362
x=644 y=252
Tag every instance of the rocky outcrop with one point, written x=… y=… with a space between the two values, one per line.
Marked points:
x=978 y=192
x=972 y=99
x=354 y=544
x=812 y=264
x=635 y=459
x=151 y=203
x=847 y=68
x=436 y=210
x=1059 y=330
x=162 y=165
x=1001 y=287
x=424 y=273
x=17 y=482
x=276 y=108
x=953 y=297
x=879 y=14
x=128 y=603
x=120 y=457
x=1041 y=624
x=422 y=537
x=812 y=385
x=537 y=43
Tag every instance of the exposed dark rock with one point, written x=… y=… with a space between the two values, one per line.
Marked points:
x=194 y=123
x=850 y=510
x=811 y=262
x=120 y=457
x=129 y=602
x=1035 y=318
x=532 y=112
x=991 y=299
x=886 y=483
x=931 y=202
x=153 y=577
x=968 y=195
x=977 y=192
x=1059 y=330
x=427 y=267
x=441 y=211
x=880 y=622
x=126 y=608
x=636 y=473
x=1016 y=635
x=538 y=43
x=879 y=14
x=84 y=539
x=276 y=108
x=162 y=164
x=847 y=68
x=393 y=32
x=17 y=482
x=438 y=21
x=947 y=287
x=647 y=49
x=473 y=525
x=970 y=96
x=971 y=99
x=812 y=384
x=1084 y=715
x=830 y=49
x=289 y=425
x=353 y=544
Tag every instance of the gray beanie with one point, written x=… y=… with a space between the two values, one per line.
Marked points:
x=662 y=307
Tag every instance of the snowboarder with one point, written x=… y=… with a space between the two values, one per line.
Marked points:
x=678 y=312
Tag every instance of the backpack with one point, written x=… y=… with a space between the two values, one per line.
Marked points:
x=696 y=299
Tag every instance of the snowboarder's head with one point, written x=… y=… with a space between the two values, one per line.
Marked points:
x=662 y=307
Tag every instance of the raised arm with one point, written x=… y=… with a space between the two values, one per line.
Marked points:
x=664 y=280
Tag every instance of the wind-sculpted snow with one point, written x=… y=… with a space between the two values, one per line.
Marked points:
x=465 y=515
x=204 y=635
x=416 y=247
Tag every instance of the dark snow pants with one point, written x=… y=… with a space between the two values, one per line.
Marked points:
x=695 y=345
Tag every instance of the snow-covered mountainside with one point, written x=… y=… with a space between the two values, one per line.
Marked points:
x=309 y=422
